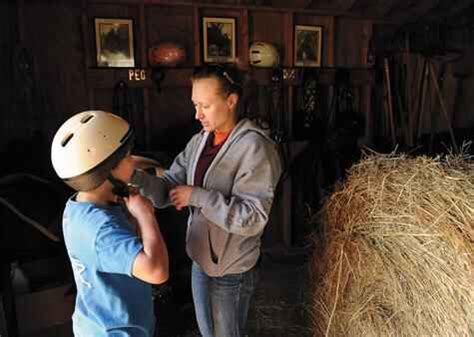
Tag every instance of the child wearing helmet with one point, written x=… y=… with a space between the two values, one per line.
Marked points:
x=113 y=266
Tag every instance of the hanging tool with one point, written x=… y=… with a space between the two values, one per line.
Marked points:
x=308 y=106
x=278 y=131
x=422 y=97
x=122 y=101
x=443 y=107
x=389 y=105
x=460 y=78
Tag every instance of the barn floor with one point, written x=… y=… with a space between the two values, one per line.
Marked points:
x=280 y=307
x=281 y=301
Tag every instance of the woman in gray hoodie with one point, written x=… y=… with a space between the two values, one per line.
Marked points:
x=227 y=176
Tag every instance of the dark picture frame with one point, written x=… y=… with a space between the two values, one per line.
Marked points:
x=308 y=46
x=219 y=40
x=114 y=42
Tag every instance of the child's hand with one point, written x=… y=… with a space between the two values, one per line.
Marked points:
x=139 y=206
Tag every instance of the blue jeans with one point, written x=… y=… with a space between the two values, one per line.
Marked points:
x=222 y=303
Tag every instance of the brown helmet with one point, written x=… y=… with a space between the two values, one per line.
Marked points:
x=167 y=54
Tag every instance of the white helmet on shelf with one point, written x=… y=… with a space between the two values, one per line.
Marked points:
x=88 y=146
x=263 y=54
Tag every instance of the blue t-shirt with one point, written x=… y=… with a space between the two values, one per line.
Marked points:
x=102 y=246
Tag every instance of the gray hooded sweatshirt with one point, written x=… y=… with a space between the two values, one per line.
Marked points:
x=229 y=212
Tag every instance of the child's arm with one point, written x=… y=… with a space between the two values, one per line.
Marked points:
x=151 y=264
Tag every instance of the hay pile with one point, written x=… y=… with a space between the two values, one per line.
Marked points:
x=398 y=255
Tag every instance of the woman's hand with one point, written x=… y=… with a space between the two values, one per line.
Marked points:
x=180 y=196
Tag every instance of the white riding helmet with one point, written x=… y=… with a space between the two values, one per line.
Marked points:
x=87 y=146
x=262 y=54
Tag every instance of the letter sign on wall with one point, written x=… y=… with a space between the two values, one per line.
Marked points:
x=136 y=74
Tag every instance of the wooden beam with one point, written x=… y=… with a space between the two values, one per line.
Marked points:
x=326 y=9
x=459 y=7
x=387 y=7
x=294 y=4
x=361 y=6
x=326 y=4
x=449 y=9
x=410 y=11
x=373 y=8
x=346 y=5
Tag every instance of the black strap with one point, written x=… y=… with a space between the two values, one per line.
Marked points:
x=158 y=75
x=278 y=128
x=308 y=106
x=119 y=187
x=122 y=101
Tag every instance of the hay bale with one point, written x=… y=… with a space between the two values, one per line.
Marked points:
x=398 y=250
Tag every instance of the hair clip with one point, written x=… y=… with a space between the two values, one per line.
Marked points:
x=227 y=76
x=218 y=69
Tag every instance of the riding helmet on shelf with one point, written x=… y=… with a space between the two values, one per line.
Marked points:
x=262 y=54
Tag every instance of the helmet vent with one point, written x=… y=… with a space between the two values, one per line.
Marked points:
x=87 y=118
x=66 y=139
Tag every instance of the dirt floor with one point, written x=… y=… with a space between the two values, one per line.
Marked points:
x=281 y=300
x=280 y=306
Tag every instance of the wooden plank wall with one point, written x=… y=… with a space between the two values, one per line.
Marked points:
x=42 y=54
x=53 y=34
x=61 y=38
x=8 y=41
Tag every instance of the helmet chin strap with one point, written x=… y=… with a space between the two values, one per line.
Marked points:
x=119 y=187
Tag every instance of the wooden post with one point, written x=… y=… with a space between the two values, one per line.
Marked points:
x=144 y=61
x=443 y=107
x=197 y=38
x=87 y=53
x=389 y=102
x=244 y=33
x=423 y=94
x=288 y=38
x=408 y=94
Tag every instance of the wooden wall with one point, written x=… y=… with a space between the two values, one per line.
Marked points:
x=59 y=36
x=8 y=39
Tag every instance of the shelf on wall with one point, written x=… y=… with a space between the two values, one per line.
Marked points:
x=106 y=78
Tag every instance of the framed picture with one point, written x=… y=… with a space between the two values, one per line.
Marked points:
x=219 y=39
x=114 y=42
x=308 y=44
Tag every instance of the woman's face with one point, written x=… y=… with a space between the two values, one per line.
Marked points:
x=213 y=110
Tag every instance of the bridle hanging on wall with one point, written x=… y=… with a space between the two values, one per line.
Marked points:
x=27 y=86
x=308 y=105
x=123 y=102
x=278 y=121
